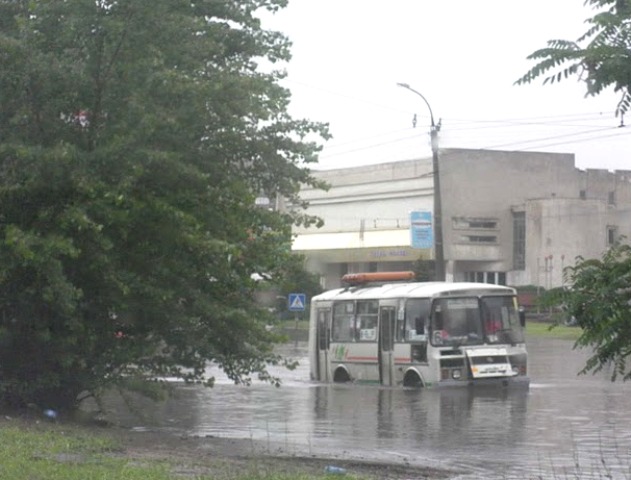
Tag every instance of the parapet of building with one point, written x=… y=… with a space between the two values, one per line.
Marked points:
x=516 y=218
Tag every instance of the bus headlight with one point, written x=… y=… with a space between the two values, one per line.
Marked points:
x=455 y=374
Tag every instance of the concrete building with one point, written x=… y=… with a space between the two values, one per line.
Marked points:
x=514 y=218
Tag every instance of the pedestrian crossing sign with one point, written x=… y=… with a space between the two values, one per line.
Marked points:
x=296 y=302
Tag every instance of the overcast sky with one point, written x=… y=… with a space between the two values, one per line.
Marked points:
x=464 y=57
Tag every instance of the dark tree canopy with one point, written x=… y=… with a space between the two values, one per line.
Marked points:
x=135 y=136
x=601 y=57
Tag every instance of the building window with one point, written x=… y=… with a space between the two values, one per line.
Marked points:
x=482 y=224
x=474 y=223
x=495 y=278
x=582 y=194
x=611 y=200
x=519 y=240
x=612 y=235
x=479 y=238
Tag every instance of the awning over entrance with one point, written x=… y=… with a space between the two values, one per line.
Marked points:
x=372 y=246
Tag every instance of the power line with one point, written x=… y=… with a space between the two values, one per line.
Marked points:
x=580 y=140
x=564 y=135
x=369 y=147
x=495 y=124
x=372 y=137
x=497 y=146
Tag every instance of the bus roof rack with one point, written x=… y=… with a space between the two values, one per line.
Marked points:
x=353 y=279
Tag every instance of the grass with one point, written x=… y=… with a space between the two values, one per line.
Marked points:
x=48 y=452
x=54 y=452
x=544 y=329
x=34 y=449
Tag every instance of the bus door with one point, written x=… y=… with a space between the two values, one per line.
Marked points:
x=323 y=341
x=387 y=316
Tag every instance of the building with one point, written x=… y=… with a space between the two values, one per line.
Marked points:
x=514 y=218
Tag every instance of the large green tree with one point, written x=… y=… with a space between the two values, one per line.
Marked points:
x=601 y=57
x=600 y=300
x=135 y=136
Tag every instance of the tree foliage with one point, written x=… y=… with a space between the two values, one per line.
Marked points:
x=425 y=270
x=295 y=278
x=601 y=57
x=600 y=300
x=135 y=136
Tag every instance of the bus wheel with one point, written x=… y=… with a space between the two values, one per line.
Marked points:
x=341 y=376
x=413 y=380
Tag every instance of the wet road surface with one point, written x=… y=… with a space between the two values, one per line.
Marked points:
x=564 y=426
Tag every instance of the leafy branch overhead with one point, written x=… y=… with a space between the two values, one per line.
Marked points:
x=135 y=136
x=601 y=57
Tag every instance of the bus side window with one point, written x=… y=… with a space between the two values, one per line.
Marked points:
x=438 y=320
x=400 y=329
x=324 y=334
x=366 y=328
x=419 y=323
x=367 y=317
x=343 y=322
x=416 y=313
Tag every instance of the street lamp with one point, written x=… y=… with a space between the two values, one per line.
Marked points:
x=439 y=255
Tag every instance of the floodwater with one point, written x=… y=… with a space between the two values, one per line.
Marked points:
x=563 y=426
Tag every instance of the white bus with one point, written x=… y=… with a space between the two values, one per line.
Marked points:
x=384 y=328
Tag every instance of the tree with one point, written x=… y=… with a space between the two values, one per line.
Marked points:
x=425 y=270
x=601 y=57
x=295 y=278
x=134 y=139
x=600 y=300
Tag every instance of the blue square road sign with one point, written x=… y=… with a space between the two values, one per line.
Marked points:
x=296 y=302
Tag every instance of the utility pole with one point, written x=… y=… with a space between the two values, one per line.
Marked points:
x=439 y=256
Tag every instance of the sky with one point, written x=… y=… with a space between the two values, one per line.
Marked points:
x=464 y=57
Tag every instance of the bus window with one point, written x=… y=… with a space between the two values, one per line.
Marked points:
x=343 y=324
x=367 y=312
x=416 y=319
x=323 y=329
x=456 y=321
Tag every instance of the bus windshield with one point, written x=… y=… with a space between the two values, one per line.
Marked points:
x=456 y=321
x=501 y=320
x=473 y=321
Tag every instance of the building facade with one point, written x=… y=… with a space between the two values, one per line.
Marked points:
x=512 y=218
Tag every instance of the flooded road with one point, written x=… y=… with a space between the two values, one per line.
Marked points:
x=564 y=426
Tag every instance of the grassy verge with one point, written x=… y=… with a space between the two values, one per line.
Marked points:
x=543 y=329
x=35 y=449
x=30 y=450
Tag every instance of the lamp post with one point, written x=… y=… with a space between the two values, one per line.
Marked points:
x=439 y=256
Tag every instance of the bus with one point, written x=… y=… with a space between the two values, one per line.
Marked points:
x=385 y=328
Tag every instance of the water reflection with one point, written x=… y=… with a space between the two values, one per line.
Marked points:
x=545 y=432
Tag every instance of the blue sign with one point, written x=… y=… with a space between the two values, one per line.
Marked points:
x=296 y=302
x=421 y=230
